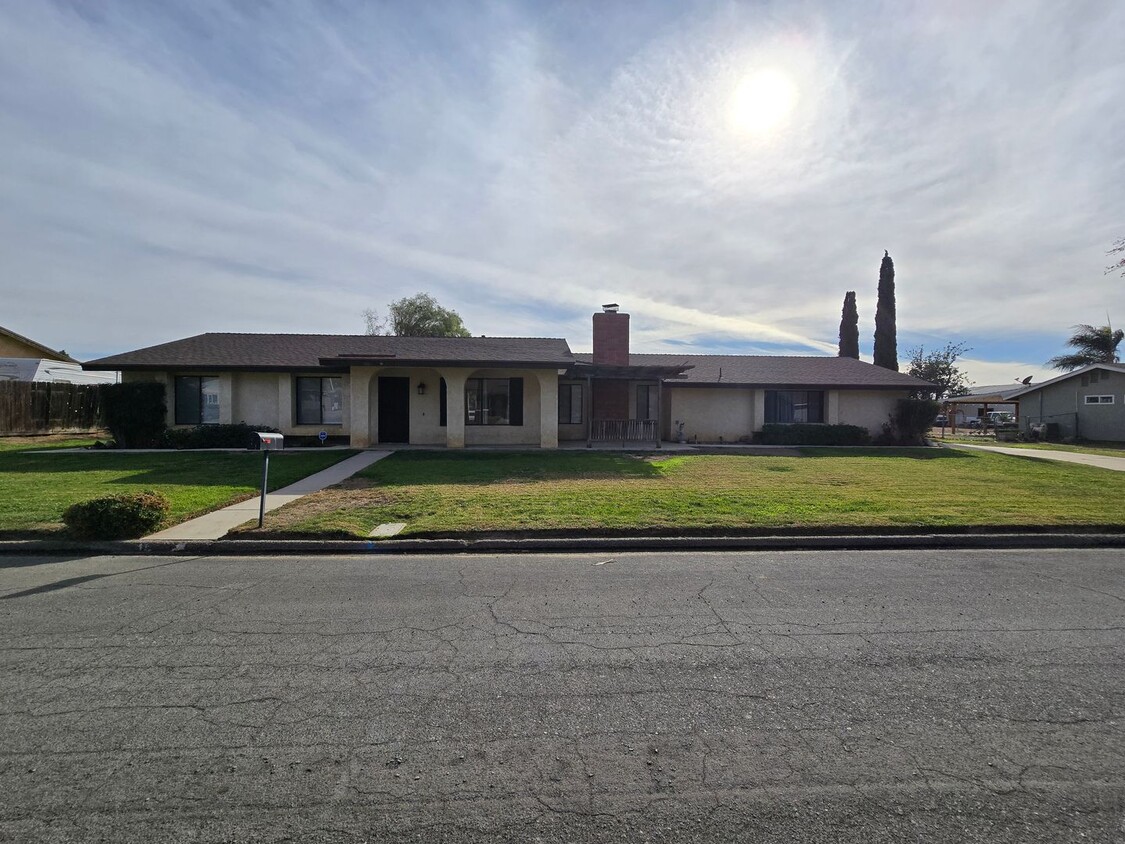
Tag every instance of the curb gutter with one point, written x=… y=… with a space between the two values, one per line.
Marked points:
x=236 y=548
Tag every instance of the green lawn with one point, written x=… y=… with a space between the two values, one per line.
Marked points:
x=45 y=442
x=471 y=493
x=36 y=488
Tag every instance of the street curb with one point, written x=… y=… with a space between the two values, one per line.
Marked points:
x=234 y=548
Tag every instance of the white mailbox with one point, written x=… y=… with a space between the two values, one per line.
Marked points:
x=270 y=442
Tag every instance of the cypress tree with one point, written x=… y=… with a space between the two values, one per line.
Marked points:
x=849 y=328
x=886 y=335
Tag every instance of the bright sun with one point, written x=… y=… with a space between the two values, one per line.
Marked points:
x=762 y=101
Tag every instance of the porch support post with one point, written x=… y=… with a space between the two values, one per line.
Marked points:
x=759 y=409
x=454 y=406
x=589 y=410
x=226 y=398
x=659 y=409
x=359 y=388
x=548 y=409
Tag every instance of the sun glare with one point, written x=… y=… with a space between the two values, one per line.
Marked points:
x=763 y=101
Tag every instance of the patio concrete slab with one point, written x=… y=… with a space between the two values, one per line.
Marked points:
x=217 y=524
x=1102 y=461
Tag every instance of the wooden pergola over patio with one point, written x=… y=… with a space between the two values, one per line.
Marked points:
x=624 y=430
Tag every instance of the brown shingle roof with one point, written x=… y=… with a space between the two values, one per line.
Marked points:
x=778 y=371
x=311 y=351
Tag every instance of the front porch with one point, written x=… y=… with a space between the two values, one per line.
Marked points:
x=624 y=405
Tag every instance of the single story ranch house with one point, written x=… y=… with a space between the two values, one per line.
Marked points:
x=473 y=391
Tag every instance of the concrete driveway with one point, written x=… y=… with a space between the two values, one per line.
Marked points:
x=776 y=697
x=1101 y=461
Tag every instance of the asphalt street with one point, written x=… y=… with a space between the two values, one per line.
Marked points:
x=766 y=697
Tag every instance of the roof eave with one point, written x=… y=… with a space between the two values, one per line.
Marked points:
x=455 y=364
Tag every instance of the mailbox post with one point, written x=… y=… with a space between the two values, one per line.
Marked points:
x=267 y=443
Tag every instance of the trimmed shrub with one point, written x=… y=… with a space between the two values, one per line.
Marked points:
x=135 y=413
x=123 y=516
x=239 y=435
x=776 y=434
x=910 y=422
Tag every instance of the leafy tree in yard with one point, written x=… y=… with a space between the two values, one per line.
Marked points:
x=940 y=367
x=849 y=328
x=1092 y=344
x=417 y=316
x=886 y=334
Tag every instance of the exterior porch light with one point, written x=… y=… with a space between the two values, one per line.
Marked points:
x=421 y=388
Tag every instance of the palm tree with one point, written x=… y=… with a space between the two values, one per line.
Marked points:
x=1094 y=344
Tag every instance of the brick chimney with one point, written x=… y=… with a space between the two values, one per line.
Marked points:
x=611 y=337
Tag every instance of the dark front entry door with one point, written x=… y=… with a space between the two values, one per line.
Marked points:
x=394 y=410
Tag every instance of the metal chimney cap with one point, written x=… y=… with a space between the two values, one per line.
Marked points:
x=611 y=308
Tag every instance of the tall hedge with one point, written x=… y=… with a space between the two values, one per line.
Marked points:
x=910 y=422
x=238 y=435
x=135 y=413
x=802 y=434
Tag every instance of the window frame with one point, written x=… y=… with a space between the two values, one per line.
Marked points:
x=652 y=402
x=793 y=405
x=297 y=379
x=200 y=406
x=514 y=393
x=1100 y=400
x=570 y=389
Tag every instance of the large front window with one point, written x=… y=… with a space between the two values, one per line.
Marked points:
x=197 y=400
x=320 y=401
x=794 y=406
x=494 y=401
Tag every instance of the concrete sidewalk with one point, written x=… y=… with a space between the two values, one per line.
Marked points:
x=217 y=524
x=1117 y=464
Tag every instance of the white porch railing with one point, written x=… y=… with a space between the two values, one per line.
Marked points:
x=623 y=430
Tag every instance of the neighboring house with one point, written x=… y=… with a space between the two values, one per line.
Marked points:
x=980 y=401
x=470 y=391
x=23 y=359
x=1088 y=403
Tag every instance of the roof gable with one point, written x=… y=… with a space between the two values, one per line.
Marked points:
x=1074 y=373
x=35 y=350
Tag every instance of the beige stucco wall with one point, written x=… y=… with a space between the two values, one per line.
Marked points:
x=425 y=428
x=256 y=398
x=285 y=387
x=526 y=434
x=425 y=410
x=867 y=408
x=711 y=414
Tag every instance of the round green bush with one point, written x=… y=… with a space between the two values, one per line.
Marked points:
x=123 y=516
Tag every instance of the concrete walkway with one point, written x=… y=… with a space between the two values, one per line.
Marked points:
x=217 y=524
x=1117 y=464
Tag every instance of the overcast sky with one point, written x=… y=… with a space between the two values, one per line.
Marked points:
x=175 y=168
